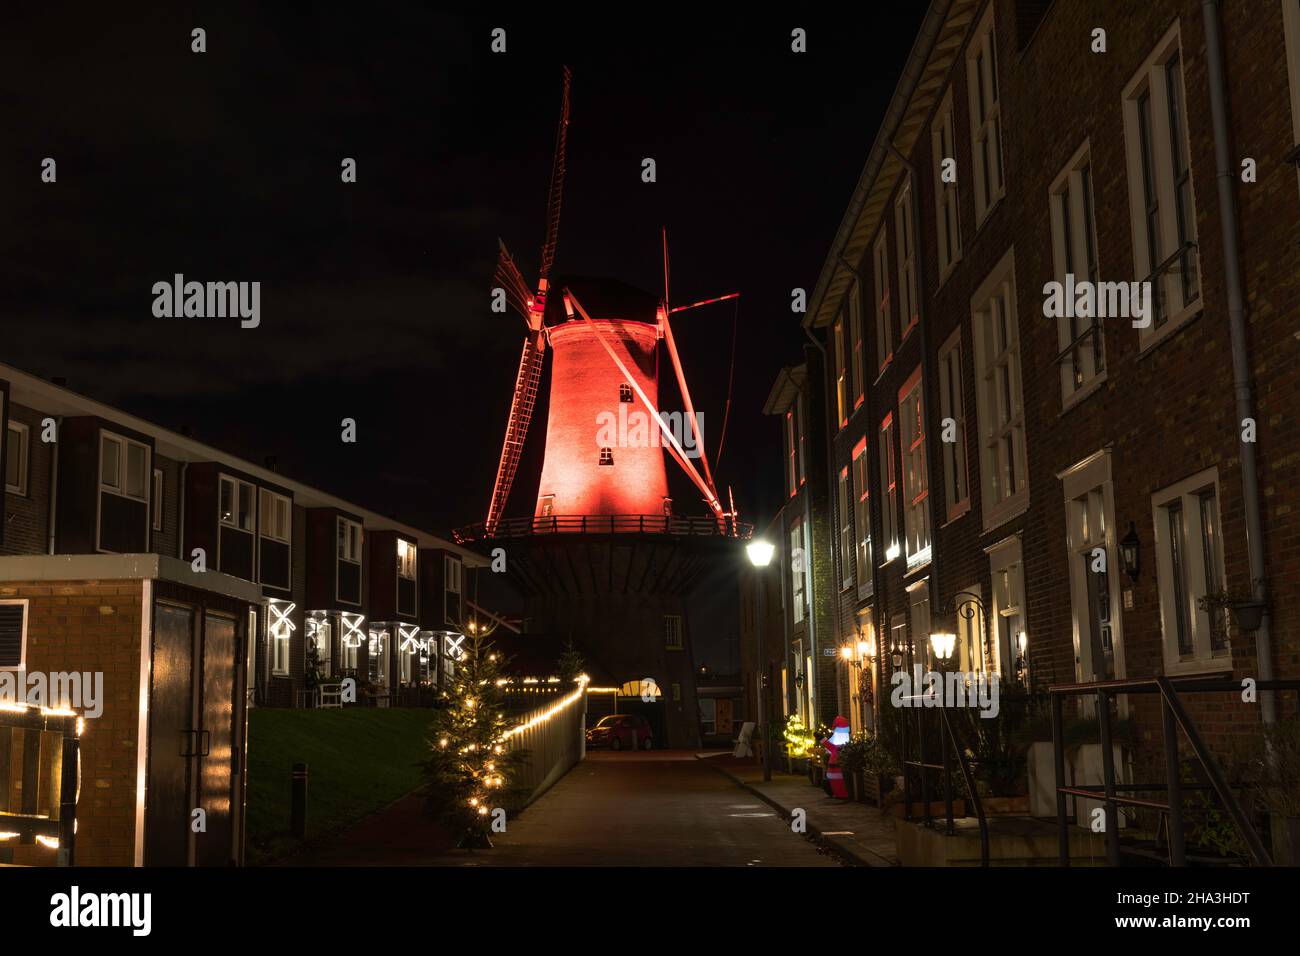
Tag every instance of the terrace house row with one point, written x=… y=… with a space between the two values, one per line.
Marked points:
x=1081 y=484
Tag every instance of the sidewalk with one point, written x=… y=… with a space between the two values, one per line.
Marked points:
x=857 y=830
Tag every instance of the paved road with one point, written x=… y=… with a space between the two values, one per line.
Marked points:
x=662 y=808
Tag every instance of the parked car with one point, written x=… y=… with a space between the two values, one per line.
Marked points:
x=621 y=732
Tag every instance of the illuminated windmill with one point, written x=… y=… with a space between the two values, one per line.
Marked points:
x=603 y=560
x=604 y=367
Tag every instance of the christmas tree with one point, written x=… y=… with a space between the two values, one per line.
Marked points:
x=472 y=768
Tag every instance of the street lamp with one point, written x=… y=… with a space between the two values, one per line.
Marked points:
x=760 y=553
x=943 y=643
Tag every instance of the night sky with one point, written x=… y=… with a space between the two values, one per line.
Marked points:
x=375 y=296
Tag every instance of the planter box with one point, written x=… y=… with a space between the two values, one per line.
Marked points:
x=1005 y=806
x=937 y=809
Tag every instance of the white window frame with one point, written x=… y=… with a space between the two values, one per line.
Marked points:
x=451 y=574
x=918 y=621
x=274 y=499
x=673 y=632
x=888 y=489
x=1291 y=30
x=24 y=452
x=1073 y=214
x=798 y=571
x=407 y=554
x=22 y=645
x=985 y=117
x=947 y=205
x=353 y=554
x=856 y=357
x=792 y=466
x=1006 y=564
x=861 y=465
x=237 y=484
x=124 y=445
x=884 y=310
x=972 y=651
x=1089 y=524
x=1151 y=79
x=841 y=375
x=998 y=424
x=952 y=404
x=1204 y=658
x=914 y=469
x=909 y=309
x=846 y=531
x=156 y=500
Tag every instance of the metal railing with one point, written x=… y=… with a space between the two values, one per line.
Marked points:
x=949 y=744
x=1174 y=717
x=527 y=527
x=39 y=779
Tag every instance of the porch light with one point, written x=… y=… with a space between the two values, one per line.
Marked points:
x=866 y=650
x=1130 y=549
x=846 y=652
x=943 y=643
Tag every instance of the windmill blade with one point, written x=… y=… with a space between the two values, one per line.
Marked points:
x=521 y=413
x=508 y=277
x=557 y=185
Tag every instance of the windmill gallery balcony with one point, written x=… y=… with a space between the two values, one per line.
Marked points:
x=671 y=525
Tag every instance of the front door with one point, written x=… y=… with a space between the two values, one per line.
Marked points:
x=171 y=738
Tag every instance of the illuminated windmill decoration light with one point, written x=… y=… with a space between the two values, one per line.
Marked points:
x=603 y=366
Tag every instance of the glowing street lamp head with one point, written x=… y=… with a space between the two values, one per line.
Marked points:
x=760 y=552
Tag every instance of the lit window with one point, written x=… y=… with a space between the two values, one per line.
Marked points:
x=953 y=418
x=16 y=451
x=624 y=392
x=998 y=395
x=607 y=456
x=276 y=516
x=406 y=555
x=985 y=116
x=841 y=379
x=1008 y=611
x=1189 y=567
x=792 y=468
x=124 y=466
x=349 y=534
x=1160 y=188
x=916 y=482
x=1074 y=251
x=946 y=206
x=235 y=505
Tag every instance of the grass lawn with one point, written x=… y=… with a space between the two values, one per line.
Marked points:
x=359 y=760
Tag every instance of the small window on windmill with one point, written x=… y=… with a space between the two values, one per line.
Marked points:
x=625 y=392
x=668 y=507
x=548 y=505
x=607 y=456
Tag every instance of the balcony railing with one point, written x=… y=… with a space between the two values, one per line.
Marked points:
x=670 y=525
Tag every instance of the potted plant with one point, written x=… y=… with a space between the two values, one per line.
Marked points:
x=853 y=761
x=1270 y=772
x=1246 y=609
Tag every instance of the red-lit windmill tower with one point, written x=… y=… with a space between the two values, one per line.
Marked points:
x=603 y=559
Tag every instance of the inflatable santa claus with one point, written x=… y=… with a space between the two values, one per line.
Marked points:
x=834 y=775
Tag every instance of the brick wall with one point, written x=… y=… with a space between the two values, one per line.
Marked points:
x=93 y=626
x=1165 y=414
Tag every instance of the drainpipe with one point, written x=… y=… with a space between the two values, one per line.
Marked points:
x=180 y=513
x=927 y=376
x=1243 y=387
x=836 y=571
x=52 y=522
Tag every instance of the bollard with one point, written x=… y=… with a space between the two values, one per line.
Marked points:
x=298 y=800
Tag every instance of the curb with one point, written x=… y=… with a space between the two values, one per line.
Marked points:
x=854 y=855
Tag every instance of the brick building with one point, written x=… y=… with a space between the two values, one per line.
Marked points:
x=991 y=457
x=194 y=583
